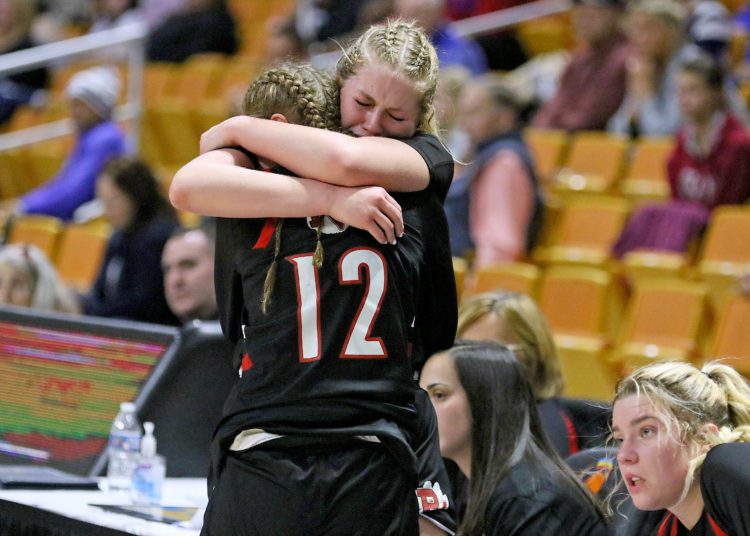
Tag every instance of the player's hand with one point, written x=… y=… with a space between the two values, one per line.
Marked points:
x=218 y=136
x=370 y=208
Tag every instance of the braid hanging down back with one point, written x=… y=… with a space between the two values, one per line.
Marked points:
x=305 y=96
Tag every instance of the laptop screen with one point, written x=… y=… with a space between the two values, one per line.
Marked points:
x=62 y=379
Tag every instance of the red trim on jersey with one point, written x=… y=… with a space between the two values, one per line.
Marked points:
x=365 y=296
x=247 y=363
x=266 y=233
x=663 y=526
x=293 y=260
x=673 y=532
x=715 y=527
x=572 y=436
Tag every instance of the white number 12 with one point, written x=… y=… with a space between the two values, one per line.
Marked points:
x=359 y=343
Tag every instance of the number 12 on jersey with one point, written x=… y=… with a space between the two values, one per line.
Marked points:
x=352 y=264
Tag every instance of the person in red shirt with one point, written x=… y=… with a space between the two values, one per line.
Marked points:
x=593 y=84
x=709 y=166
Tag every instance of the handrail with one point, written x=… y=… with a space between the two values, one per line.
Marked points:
x=132 y=35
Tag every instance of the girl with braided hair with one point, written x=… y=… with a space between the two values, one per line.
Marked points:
x=321 y=432
x=387 y=81
x=684 y=449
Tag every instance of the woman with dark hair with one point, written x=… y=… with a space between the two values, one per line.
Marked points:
x=489 y=426
x=130 y=282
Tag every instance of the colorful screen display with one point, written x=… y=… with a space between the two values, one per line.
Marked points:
x=61 y=386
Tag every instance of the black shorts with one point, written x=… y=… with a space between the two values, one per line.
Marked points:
x=349 y=489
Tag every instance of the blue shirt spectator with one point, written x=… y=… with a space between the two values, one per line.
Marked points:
x=74 y=184
x=452 y=48
x=92 y=96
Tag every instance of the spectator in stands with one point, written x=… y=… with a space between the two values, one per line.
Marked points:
x=28 y=279
x=684 y=440
x=320 y=21
x=452 y=48
x=709 y=166
x=113 y=13
x=16 y=17
x=495 y=205
x=592 y=86
x=515 y=320
x=656 y=32
x=489 y=426
x=199 y=26
x=188 y=265
x=451 y=83
x=283 y=43
x=130 y=283
x=92 y=95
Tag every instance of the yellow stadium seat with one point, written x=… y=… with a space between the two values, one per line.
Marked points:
x=587 y=229
x=460 y=267
x=548 y=148
x=642 y=264
x=581 y=301
x=514 y=276
x=726 y=247
x=81 y=252
x=646 y=178
x=596 y=162
x=730 y=339
x=665 y=319
x=586 y=368
x=42 y=231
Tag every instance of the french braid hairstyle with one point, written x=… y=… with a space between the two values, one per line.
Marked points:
x=404 y=47
x=305 y=96
x=690 y=398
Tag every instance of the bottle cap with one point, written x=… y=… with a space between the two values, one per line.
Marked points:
x=148 y=442
x=127 y=406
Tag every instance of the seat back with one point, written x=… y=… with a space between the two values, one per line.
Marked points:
x=513 y=276
x=593 y=222
x=42 y=231
x=80 y=254
x=722 y=243
x=731 y=336
x=647 y=175
x=578 y=300
x=548 y=147
x=595 y=163
x=665 y=312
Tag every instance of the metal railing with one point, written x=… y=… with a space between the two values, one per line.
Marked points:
x=132 y=36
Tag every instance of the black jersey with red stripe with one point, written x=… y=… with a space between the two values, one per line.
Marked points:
x=331 y=353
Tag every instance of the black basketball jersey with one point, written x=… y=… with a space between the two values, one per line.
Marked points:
x=332 y=352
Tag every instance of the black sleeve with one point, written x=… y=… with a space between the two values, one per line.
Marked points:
x=437 y=308
x=439 y=161
x=431 y=472
x=725 y=486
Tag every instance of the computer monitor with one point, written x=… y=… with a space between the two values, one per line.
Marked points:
x=62 y=379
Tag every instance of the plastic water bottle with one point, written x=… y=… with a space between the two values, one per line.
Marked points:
x=148 y=478
x=124 y=448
